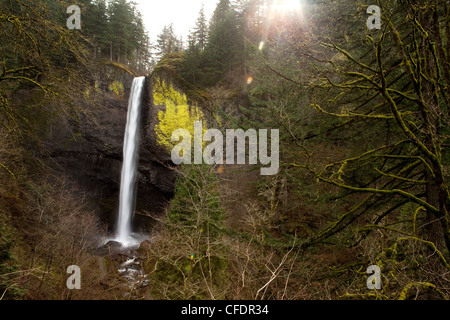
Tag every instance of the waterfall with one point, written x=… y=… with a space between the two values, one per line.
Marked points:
x=130 y=164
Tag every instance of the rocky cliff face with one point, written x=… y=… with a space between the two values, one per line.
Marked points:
x=90 y=151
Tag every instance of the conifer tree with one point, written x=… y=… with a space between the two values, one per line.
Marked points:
x=120 y=22
x=167 y=42
x=225 y=49
x=221 y=11
x=95 y=25
x=201 y=30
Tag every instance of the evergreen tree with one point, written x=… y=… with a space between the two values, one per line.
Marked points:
x=221 y=11
x=121 y=21
x=219 y=54
x=191 y=70
x=252 y=18
x=167 y=42
x=140 y=43
x=116 y=30
x=225 y=49
x=95 y=25
x=197 y=41
x=201 y=30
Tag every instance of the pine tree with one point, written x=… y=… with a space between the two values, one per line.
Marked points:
x=197 y=41
x=201 y=30
x=120 y=20
x=225 y=50
x=141 y=45
x=95 y=25
x=252 y=16
x=116 y=30
x=221 y=11
x=167 y=42
x=217 y=55
x=192 y=60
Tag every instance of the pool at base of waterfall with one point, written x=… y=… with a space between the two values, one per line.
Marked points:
x=131 y=242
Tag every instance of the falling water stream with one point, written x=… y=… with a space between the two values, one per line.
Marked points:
x=124 y=233
x=122 y=247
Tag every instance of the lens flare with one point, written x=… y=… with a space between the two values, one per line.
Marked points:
x=261 y=45
x=288 y=5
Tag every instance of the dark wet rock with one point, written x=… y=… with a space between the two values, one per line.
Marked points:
x=113 y=245
x=111 y=250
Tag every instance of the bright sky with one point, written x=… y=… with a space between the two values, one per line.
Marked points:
x=182 y=13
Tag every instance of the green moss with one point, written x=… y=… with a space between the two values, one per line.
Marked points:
x=178 y=114
x=117 y=88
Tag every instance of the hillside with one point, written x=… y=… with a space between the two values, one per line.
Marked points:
x=288 y=150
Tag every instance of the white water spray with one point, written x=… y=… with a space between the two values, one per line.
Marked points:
x=129 y=166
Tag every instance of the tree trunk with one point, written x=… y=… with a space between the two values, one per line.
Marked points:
x=433 y=225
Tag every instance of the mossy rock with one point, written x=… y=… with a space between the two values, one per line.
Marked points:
x=117 y=88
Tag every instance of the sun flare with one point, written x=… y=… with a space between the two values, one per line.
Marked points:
x=287 y=5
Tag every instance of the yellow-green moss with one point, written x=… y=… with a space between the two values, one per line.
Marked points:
x=178 y=114
x=117 y=88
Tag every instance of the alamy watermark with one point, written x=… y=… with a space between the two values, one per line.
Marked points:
x=235 y=146
x=74 y=281
x=374 y=21
x=374 y=281
x=74 y=21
